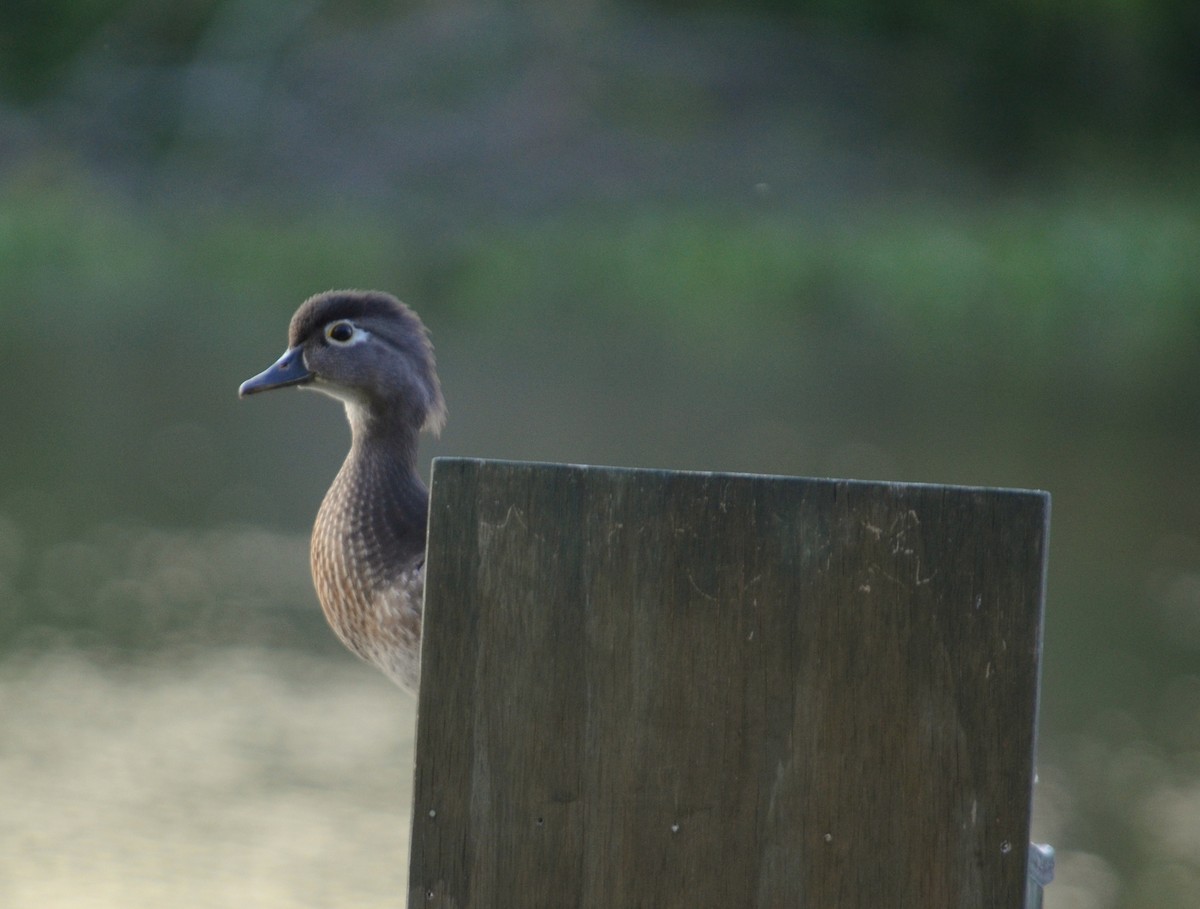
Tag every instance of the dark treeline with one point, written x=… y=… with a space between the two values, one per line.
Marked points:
x=1011 y=83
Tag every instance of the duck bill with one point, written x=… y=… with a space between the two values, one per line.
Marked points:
x=287 y=370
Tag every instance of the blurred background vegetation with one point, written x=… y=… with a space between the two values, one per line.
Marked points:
x=909 y=241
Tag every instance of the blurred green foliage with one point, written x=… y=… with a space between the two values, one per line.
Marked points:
x=1079 y=288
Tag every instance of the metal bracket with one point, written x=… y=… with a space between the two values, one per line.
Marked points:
x=1040 y=873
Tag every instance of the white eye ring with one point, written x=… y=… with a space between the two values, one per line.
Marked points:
x=345 y=333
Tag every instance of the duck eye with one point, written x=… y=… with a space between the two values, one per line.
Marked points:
x=339 y=332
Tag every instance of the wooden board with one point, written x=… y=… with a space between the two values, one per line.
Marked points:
x=656 y=689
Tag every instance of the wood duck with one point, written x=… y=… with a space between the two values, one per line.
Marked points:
x=372 y=353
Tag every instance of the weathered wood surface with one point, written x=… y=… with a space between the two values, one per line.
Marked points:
x=664 y=690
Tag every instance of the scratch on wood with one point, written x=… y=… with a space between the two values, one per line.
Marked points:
x=899 y=530
x=487 y=530
x=513 y=512
x=696 y=587
x=922 y=581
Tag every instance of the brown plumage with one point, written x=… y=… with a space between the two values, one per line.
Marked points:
x=370 y=351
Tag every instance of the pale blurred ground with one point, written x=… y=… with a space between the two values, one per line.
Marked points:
x=224 y=778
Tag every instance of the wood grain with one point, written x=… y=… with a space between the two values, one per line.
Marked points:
x=655 y=689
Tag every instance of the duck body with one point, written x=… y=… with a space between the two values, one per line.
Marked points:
x=372 y=353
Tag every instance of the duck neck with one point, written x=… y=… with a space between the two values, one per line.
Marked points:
x=380 y=485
